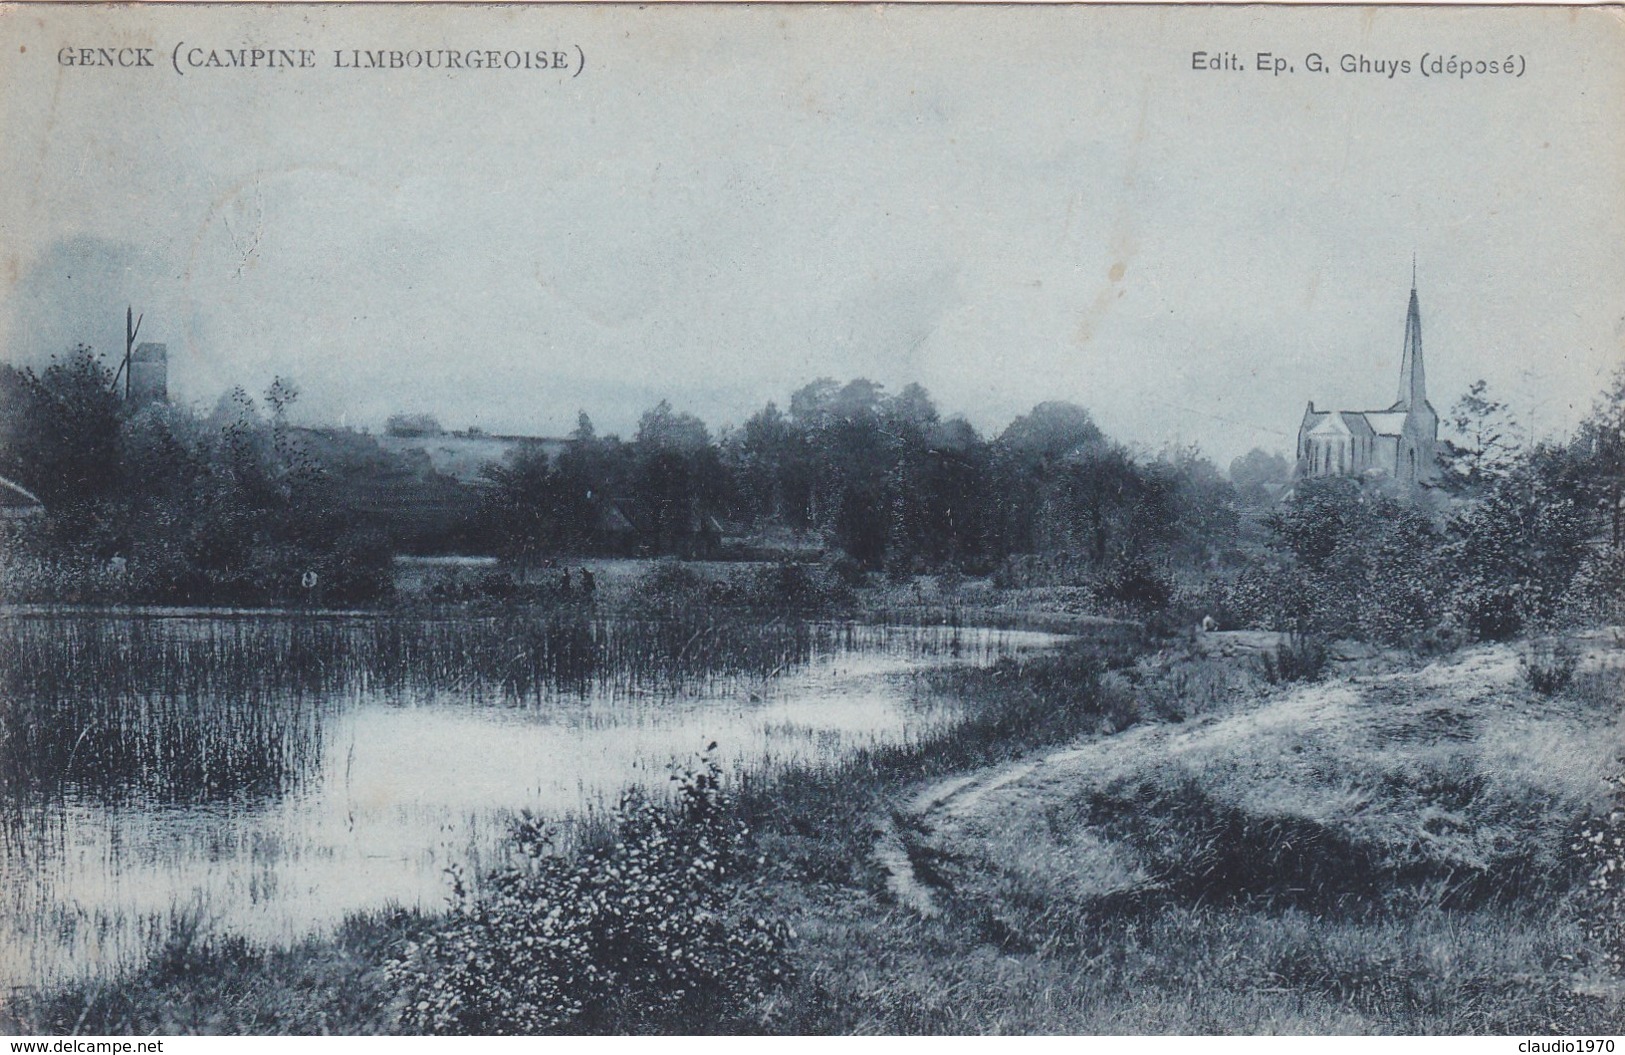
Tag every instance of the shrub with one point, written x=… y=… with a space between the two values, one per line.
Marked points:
x=788 y=586
x=650 y=929
x=1548 y=666
x=1597 y=592
x=1298 y=657
x=669 y=584
x=1600 y=845
x=1119 y=703
x=1515 y=553
x=1259 y=597
x=1137 y=582
x=846 y=571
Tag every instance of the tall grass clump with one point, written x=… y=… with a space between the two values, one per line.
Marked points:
x=1298 y=657
x=517 y=655
x=654 y=929
x=128 y=709
x=1548 y=665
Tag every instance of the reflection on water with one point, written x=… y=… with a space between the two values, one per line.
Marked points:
x=265 y=776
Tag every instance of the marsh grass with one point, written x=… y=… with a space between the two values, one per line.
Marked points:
x=1187 y=969
x=1299 y=657
x=334 y=983
x=1549 y=665
x=189 y=710
x=808 y=825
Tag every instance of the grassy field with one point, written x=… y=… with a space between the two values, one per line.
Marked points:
x=1171 y=845
x=1386 y=852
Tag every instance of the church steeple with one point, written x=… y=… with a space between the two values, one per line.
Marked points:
x=1412 y=378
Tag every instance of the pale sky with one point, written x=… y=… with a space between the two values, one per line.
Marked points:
x=1005 y=205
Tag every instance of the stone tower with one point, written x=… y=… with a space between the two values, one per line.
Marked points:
x=149 y=374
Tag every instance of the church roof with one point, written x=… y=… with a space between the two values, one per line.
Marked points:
x=1357 y=424
x=1349 y=422
x=1386 y=422
x=1412 y=391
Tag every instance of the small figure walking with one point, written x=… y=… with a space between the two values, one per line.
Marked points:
x=589 y=584
x=564 y=584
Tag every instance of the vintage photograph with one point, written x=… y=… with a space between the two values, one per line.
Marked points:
x=812 y=519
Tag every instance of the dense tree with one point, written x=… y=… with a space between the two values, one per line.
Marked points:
x=223 y=506
x=1028 y=459
x=1259 y=475
x=1514 y=553
x=761 y=457
x=59 y=433
x=678 y=479
x=1485 y=442
x=1362 y=563
x=234 y=504
x=1599 y=450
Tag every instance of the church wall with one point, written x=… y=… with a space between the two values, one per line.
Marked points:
x=1387 y=454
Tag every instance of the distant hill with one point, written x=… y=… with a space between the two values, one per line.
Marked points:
x=463 y=456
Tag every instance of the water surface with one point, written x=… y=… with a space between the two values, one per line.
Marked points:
x=265 y=775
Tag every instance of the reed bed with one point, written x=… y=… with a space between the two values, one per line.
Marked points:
x=200 y=708
x=216 y=714
x=116 y=657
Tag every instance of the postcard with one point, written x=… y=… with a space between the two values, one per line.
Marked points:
x=805 y=519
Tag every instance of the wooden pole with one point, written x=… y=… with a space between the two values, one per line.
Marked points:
x=132 y=326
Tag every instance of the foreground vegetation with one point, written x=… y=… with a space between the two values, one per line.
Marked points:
x=1397 y=847
x=1401 y=853
x=359 y=982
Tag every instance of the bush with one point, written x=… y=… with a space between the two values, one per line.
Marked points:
x=1299 y=657
x=357 y=569
x=846 y=571
x=1600 y=845
x=652 y=929
x=787 y=586
x=1137 y=582
x=1515 y=553
x=1260 y=596
x=671 y=585
x=1548 y=666
x=1597 y=592
x=1119 y=703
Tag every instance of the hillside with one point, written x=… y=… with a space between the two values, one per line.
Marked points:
x=1384 y=851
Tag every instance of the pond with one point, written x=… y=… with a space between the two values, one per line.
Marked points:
x=265 y=775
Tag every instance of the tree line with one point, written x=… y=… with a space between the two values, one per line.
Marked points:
x=235 y=504
x=164 y=503
x=883 y=478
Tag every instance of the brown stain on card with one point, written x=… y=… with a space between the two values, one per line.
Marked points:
x=1123 y=243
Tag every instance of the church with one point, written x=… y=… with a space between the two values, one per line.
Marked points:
x=1398 y=443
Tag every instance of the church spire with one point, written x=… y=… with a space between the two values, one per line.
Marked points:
x=1412 y=379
